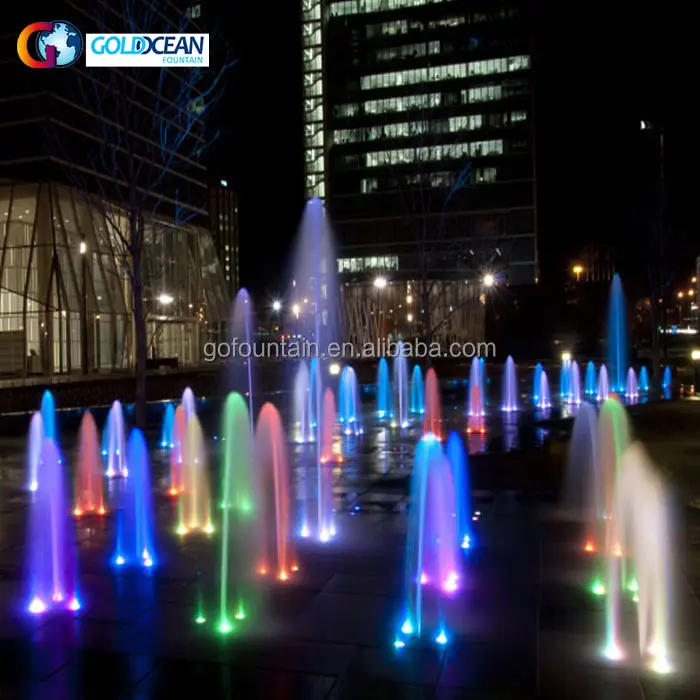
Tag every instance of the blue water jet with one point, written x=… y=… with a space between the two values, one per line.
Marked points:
x=617 y=344
x=349 y=403
x=590 y=383
x=510 y=386
x=643 y=380
x=134 y=544
x=401 y=386
x=48 y=416
x=667 y=383
x=166 y=433
x=565 y=380
x=432 y=568
x=417 y=392
x=536 y=382
x=459 y=463
x=384 y=391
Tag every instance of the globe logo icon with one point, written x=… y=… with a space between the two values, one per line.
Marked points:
x=66 y=39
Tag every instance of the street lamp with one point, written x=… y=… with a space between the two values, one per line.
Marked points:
x=165 y=299
x=295 y=310
x=380 y=282
x=578 y=271
x=83 y=308
x=489 y=280
x=276 y=305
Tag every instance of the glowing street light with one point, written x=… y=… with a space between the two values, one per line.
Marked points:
x=296 y=309
x=276 y=305
x=578 y=271
x=165 y=299
x=380 y=282
x=695 y=356
x=83 y=247
x=680 y=295
x=334 y=369
x=566 y=357
x=489 y=280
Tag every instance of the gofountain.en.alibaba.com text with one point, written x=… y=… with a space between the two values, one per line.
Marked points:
x=297 y=349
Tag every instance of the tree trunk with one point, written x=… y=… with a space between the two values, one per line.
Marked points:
x=141 y=340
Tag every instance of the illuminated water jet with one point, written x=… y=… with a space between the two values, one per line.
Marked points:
x=510 y=387
x=590 y=383
x=432 y=417
x=89 y=493
x=240 y=363
x=544 y=400
x=114 y=442
x=417 y=394
x=401 y=386
x=51 y=574
x=617 y=345
x=48 y=416
x=302 y=404
x=384 y=391
x=166 y=433
x=349 y=398
x=135 y=544
x=432 y=549
x=35 y=441
x=631 y=386
x=603 y=389
x=177 y=452
x=195 y=500
x=272 y=485
x=475 y=401
x=239 y=513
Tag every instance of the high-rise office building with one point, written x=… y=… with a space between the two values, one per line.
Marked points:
x=223 y=214
x=419 y=136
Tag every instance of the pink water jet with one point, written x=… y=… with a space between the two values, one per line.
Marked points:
x=177 y=453
x=89 y=492
x=329 y=428
x=272 y=486
x=432 y=418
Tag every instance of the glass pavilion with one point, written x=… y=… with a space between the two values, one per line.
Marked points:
x=65 y=291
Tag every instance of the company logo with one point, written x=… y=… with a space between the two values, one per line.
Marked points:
x=147 y=50
x=56 y=44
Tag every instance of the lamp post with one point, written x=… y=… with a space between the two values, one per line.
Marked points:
x=578 y=271
x=83 y=311
x=655 y=261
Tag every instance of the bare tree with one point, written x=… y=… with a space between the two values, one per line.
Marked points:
x=147 y=127
x=429 y=198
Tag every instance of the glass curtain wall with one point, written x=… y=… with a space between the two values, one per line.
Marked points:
x=65 y=286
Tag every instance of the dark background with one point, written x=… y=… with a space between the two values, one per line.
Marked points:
x=601 y=67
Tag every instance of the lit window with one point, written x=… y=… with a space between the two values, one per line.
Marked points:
x=194 y=11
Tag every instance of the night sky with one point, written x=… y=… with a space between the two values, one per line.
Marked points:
x=602 y=67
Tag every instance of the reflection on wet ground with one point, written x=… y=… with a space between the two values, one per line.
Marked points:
x=525 y=625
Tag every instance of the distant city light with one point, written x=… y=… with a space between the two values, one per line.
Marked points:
x=334 y=369
x=224 y=183
x=276 y=305
x=695 y=355
x=380 y=282
x=566 y=357
x=578 y=271
x=165 y=299
x=83 y=247
x=409 y=318
x=296 y=309
x=489 y=280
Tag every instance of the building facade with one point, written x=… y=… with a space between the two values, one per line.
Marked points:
x=223 y=224
x=65 y=297
x=419 y=136
x=70 y=139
